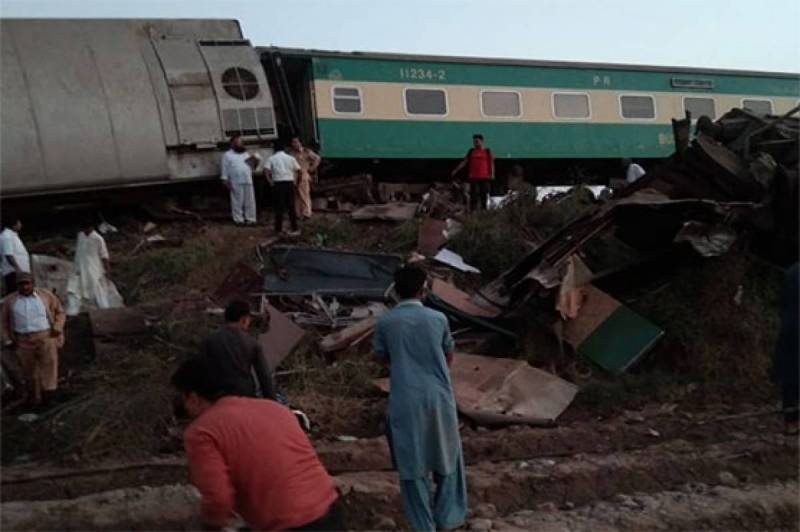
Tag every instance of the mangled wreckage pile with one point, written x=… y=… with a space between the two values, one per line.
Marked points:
x=735 y=181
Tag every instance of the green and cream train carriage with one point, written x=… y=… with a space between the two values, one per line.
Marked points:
x=379 y=107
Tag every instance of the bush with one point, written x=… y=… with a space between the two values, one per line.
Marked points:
x=494 y=240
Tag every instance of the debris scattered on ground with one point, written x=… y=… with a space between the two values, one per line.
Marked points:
x=454 y=260
x=306 y=271
x=607 y=332
x=502 y=391
x=357 y=189
x=573 y=280
x=346 y=337
x=390 y=212
x=281 y=338
x=462 y=301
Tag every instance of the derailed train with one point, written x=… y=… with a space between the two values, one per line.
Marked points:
x=98 y=104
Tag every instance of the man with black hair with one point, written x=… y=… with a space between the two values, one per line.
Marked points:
x=422 y=425
x=480 y=162
x=283 y=173
x=14 y=258
x=250 y=456
x=234 y=355
x=236 y=172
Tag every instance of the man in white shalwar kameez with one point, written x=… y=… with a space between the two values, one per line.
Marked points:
x=90 y=285
x=236 y=172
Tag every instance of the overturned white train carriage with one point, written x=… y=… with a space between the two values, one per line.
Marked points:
x=92 y=104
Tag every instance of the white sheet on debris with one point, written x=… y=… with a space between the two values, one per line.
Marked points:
x=454 y=260
x=543 y=192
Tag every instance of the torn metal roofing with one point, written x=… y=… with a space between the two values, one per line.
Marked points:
x=303 y=271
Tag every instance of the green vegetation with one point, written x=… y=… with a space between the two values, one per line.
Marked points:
x=494 y=240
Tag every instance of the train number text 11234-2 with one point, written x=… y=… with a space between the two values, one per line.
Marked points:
x=423 y=74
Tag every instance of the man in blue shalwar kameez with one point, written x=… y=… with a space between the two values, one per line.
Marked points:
x=422 y=425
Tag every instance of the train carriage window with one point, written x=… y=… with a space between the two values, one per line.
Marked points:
x=571 y=105
x=500 y=103
x=347 y=100
x=759 y=107
x=637 y=106
x=425 y=101
x=698 y=107
x=240 y=83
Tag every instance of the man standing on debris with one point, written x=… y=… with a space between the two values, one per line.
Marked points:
x=422 y=424
x=91 y=283
x=234 y=355
x=236 y=171
x=251 y=457
x=283 y=171
x=33 y=319
x=309 y=162
x=15 y=258
x=632 y=171
x=480 y=172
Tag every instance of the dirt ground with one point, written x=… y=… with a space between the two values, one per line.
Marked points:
x=656 y=449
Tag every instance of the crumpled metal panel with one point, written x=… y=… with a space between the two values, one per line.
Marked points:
x=303 y=271
x=281 y=338
x=707 y=240
x=501 y=391
x=504 y=391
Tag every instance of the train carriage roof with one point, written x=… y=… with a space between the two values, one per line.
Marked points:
x=312 y=53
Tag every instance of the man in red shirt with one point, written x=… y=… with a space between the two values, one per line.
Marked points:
x=250 y=456
x=480 y=172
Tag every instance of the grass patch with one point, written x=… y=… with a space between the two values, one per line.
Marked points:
x=159 y=269
x=336 y=232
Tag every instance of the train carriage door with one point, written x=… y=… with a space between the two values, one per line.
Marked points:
x=243 y=94
x=191 y=90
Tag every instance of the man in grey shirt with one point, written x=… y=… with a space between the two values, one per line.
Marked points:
x=233 y=355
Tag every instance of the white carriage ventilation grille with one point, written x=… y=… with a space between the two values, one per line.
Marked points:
x=248 y=121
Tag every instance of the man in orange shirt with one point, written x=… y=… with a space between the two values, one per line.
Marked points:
x=480 y=162
x=250 y=456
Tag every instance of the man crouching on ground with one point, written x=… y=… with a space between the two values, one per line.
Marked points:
x=33 y=319
x=250 y=456
x=422 y=425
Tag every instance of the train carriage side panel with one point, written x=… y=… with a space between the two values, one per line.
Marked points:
x=21 y=160
x=68 y=102
x=101 y=104
x=380 y=125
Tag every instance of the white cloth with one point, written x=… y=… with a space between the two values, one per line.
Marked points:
x=234 y=167
x=30 y=315
x=283 y=167
x=243 y=203
x=89 y=282
x=634 y=173
x=10 y=244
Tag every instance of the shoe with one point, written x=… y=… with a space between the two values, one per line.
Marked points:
x=294 y=233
